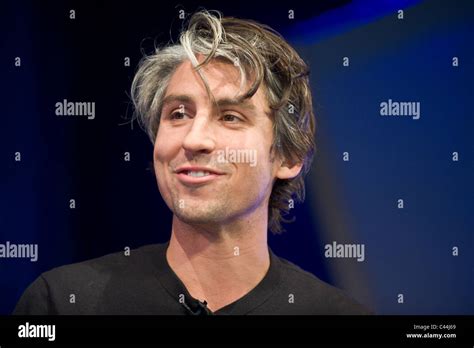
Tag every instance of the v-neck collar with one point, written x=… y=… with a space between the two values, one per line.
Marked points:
x=254 y=298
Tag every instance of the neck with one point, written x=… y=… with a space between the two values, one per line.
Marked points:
x=219 y=264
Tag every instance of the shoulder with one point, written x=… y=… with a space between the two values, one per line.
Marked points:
x=54 y=290
x=314 y=296
x=94 y=272
x=101 y=267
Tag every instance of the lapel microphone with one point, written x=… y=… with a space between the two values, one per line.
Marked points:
x=197 y=308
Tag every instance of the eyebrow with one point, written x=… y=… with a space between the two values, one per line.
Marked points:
x=223 y=102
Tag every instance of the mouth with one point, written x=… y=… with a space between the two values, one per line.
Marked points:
x=197 y=175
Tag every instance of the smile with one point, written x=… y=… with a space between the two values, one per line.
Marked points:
x=196 y=177
x=197 y=174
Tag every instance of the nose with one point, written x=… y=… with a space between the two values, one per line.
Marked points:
x=200 y=138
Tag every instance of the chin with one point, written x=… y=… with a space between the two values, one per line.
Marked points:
x=197 y=217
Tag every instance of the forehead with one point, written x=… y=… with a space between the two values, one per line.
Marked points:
x=218 y=75
x=223 y=79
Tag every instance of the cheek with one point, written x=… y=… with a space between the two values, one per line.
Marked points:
x=158 y=153
x=261 y=170
x=163 y=147
x=161 y=156
x=267 y=168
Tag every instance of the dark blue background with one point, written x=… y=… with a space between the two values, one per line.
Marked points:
x=408 y=251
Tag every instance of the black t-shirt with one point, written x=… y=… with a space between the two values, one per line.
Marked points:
x=144 y=283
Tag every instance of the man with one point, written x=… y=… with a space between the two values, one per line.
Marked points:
x=229 y=111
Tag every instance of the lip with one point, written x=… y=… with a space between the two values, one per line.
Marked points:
x=190 y=180
x=198 y=169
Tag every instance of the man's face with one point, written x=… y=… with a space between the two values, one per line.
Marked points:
x=233 y=142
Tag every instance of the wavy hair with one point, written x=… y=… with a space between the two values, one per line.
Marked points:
x=262 y=55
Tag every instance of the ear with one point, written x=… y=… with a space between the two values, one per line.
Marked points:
x=288 y=171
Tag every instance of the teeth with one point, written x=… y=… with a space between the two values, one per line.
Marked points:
x=197 y=174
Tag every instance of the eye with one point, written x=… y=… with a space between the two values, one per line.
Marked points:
x=177 y=115
x=231 y=118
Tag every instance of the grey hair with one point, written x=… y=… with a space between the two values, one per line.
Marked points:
x=150 y=83
x=260 y=54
